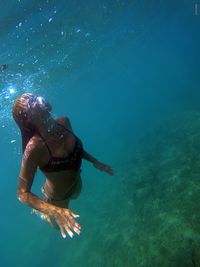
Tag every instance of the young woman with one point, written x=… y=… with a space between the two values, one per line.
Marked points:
x=50 y=145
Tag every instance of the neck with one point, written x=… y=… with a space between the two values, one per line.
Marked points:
x=47 y=127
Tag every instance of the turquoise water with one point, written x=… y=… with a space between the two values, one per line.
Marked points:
x=126 y=73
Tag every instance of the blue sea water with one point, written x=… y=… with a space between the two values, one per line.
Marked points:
x=126 y=73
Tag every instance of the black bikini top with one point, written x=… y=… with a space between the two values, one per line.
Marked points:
x=71 y=162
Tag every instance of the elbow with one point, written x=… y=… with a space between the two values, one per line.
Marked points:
x=23 y=197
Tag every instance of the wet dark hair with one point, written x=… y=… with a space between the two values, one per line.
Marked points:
x=21 y=112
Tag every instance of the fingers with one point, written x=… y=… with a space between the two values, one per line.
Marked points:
x=108 y=169
x=68 y=224
x=71 y=215
x=68 y=230
x=70 y=233
x=75 y=226
x=77 y=230
x=62 y=231
x=75 y=215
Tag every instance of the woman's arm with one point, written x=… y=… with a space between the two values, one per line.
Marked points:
x=30 y=161
x=89 y=157
x=97 y=164
x=30 y=199
x=101 y=166
x=64 y=217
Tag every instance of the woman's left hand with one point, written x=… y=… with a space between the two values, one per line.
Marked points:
x=103 y=167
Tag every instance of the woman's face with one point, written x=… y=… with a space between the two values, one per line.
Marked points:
x=38 y=108
x=40 y=104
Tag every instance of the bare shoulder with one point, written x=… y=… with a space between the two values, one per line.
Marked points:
x=65 y=122
x=34 y=149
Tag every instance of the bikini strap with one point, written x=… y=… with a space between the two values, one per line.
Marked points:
x=45 y=144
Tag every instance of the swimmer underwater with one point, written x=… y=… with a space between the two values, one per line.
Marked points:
x=50 y=145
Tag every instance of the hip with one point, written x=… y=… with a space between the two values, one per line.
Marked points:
x=71 y=191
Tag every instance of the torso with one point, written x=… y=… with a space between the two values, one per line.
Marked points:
x=56 y=182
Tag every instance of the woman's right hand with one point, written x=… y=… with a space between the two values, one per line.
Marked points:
x=65 y=220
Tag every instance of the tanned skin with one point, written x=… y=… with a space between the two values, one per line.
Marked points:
x=36 y=155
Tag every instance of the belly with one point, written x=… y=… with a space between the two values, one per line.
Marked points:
x=58 y=184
